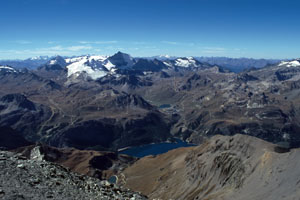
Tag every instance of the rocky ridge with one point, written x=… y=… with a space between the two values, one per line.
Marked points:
x=23 y=178
x=224 y=167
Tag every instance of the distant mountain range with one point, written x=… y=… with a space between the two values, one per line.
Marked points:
x=238 y=64
x=30 y=63
x=232 y=64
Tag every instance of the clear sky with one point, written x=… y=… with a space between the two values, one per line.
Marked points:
x=233 y=28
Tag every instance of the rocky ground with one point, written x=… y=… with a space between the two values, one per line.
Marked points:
x=22 y=178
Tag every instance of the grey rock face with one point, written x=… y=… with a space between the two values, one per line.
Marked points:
x=37 y=179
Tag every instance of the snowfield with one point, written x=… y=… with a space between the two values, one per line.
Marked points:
x=294 y=63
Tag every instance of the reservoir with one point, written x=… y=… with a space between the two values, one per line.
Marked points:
x=154 y=149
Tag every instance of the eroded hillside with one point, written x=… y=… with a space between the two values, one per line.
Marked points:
x=225 y=167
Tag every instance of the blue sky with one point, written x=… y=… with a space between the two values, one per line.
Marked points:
x=233 y=28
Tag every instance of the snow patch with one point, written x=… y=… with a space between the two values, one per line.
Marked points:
x=39 y=58
x=99 y=58
x=108 y=65
x=294 y=63
x=168 y=64
x=72 y=60
x=7 y=68
x=89 y=65
x=185 y=62
x=53 y=62
x=165 y=56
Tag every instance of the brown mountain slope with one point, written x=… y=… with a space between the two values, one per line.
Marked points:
x=97 y=164
x=225 y=167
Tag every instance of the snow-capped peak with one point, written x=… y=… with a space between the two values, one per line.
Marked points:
x=7 y=69
x=58 y=60
x=186 y=62
x=99 y=58
x=39 y=58
x=91 y=65
x=164 y=56
x=294 y=63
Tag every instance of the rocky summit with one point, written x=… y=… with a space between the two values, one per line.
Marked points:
x=23 y=178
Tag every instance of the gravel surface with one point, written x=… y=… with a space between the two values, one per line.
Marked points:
x=21 y=178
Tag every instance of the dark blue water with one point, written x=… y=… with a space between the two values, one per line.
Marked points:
x=154 y=149
x=165 y=106
x=113 y=179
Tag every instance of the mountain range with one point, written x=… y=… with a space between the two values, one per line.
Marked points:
x=80 y=112
x=111 y=102
x=233 y=64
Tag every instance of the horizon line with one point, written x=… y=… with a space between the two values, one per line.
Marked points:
x=151 y=56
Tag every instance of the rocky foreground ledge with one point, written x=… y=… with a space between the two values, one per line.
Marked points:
x=22 y=178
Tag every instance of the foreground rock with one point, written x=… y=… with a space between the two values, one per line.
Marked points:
x=32 y=179
x=237 y=167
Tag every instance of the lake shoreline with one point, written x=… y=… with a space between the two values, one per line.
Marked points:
x=153 y=148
